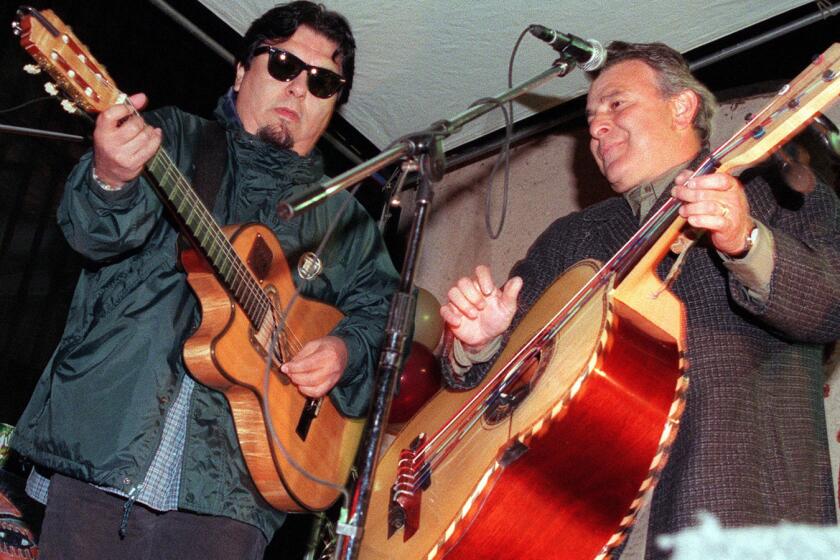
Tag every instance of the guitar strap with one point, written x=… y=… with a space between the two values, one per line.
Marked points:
x=210 y=160
x=209 y=166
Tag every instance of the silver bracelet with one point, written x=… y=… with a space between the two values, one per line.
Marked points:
x=102 y=184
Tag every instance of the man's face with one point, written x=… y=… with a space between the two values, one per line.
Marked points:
x=635 y=136
x=286 y=113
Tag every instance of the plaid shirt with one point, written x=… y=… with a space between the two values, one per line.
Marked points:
x=160 y=489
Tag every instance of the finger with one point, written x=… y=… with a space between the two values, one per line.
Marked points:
x=471 y=292
x=510 y=291
x=715 y=182
x=461 y=303
x=138 y=101
x=305 y=385
x=145 y=144
x=686 y=193
x=126 y=161
x=712 y=223
x=310 y=358
x=315 y=391
x=486 y=285
x=305 y=378
x=705 y=208
x=451 y=316
x=683 y=176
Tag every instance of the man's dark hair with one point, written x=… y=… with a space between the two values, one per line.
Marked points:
x=281 y=22
x=673 y=75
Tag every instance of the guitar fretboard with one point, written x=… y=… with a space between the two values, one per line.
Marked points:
x=212 y=241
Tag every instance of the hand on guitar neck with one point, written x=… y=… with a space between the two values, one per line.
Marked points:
x=717 y=203
x=123 y=142
x=478 y=311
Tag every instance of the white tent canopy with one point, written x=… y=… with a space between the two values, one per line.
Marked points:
x=419 y=62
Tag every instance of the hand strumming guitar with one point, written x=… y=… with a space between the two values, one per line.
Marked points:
x=318 y=366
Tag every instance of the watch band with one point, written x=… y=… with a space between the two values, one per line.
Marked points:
x=750 y=240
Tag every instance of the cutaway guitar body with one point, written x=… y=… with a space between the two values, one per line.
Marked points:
x=225 y=353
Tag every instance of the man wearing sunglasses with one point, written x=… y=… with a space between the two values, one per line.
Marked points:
x=144 y=461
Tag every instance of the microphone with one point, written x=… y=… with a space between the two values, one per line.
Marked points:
x=589 y=54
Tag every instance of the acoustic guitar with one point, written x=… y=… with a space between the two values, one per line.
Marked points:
x=554 y=452
x=242 y=280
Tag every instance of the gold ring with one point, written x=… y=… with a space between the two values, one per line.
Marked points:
x=724 y=212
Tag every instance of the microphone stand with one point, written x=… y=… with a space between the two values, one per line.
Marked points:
x=40 y=133
x=424 y=153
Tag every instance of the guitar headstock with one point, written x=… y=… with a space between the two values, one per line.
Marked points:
x=794 y=106
x=58 y=51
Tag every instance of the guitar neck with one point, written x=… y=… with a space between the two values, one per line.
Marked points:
x=198 y=223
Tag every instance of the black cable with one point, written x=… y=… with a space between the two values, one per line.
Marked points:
x=504 y=154
x=26 y=104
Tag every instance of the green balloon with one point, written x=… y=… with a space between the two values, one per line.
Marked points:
x=428 y=324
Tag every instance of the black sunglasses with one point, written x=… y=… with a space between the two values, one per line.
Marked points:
x=284 y=66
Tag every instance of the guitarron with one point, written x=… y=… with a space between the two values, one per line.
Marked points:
x=552 y=455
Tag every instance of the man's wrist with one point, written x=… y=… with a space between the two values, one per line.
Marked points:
x=467 y=356
x=749 y=242
x=102 y=184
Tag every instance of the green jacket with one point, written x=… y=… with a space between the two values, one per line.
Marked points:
x=97 y=412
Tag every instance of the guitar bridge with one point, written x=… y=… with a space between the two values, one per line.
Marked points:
x=407 y=490
x=309 y=413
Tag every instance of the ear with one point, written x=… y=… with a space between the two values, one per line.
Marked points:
x=240 y=73
x=684 y=107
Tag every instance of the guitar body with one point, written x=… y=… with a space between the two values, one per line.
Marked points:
x=223 y=355
x=564 y=473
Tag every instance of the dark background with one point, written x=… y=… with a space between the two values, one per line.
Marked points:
x=144 y=50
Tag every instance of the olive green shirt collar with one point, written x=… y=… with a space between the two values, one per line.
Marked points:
x=642 y=198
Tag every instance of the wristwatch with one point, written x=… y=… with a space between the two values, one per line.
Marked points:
x=752 y=237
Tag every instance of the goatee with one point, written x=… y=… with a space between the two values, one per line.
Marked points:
x=277 y=134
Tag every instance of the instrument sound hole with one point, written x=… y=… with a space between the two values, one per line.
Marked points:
x=503 y=406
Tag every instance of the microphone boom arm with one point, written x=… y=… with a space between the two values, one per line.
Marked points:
x=442 y=129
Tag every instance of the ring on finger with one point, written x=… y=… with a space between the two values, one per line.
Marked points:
x=724 y=210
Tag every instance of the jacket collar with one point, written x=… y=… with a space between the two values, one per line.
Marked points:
x=307 y=169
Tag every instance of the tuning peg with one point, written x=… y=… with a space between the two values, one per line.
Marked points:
x=51 y=88
x=32 y=69
x=68 y=106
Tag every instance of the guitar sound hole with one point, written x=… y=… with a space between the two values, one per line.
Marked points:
x=506 y=402
x=504 y=405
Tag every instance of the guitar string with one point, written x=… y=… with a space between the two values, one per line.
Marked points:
x=253 y=295
x=243 y=280
x=252 y=290
x=668 y=209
